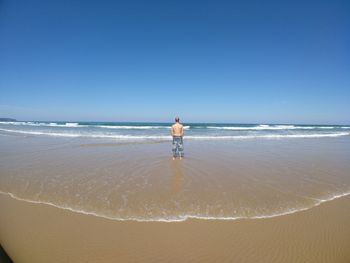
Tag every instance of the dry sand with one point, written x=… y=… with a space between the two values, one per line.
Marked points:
x=41 y=233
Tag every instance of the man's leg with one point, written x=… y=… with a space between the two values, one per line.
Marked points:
x=174 y=148
x=181 y=148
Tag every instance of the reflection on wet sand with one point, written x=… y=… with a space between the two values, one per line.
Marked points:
x=177 y=177
x=115 y=144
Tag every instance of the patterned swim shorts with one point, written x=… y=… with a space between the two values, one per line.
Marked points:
x=178 y=146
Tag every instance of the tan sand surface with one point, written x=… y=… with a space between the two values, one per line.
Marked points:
x=32 y=232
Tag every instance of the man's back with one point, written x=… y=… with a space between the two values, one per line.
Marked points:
x=177 y=129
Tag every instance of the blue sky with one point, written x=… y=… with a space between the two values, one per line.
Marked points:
x=206 y=61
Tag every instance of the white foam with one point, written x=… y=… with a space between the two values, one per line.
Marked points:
x=107 y=136
x=261 y=127
x=77 y=125
x=40 y=124
x=72 y=124
x=165 y=137
x=269 y=136
x=179 y=218
x=130 y=127
x=269 y=127
x=13 y=123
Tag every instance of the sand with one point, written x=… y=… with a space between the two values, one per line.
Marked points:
x=41 y=233
x=293 y=184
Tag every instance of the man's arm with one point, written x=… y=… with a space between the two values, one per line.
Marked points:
x=182 y=130
x=172 y=130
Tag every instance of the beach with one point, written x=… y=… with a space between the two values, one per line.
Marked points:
x=84 y=199
x=41 y=233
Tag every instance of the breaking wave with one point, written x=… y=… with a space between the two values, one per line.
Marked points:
x=168 y=137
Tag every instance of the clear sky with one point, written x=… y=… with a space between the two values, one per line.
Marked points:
x=206 y=61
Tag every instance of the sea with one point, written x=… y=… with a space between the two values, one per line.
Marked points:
x=161 y=131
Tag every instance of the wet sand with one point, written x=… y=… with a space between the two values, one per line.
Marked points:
x=140 y=181
x=72 y=200
x=42 y=233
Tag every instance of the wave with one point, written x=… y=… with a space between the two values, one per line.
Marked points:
x=261 y=127
x=107 y=136
x=79 y=125
x=270 y=127
x=51 y=124
x=130 y=127
x=179 y=218
x=168 y=137
x=271 y=136
x=74 y=124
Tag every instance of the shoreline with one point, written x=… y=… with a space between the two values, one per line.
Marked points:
x=42 y=233
x=185 y=218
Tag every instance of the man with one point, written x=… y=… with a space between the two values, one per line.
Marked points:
x=177 y=131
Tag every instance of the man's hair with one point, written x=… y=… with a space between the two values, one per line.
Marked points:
x=177 y=119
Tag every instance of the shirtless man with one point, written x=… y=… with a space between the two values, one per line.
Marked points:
x=177 y=131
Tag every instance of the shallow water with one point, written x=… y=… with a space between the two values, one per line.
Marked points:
x=139 y=181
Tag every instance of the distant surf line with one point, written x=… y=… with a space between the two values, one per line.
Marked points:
x=146 y=126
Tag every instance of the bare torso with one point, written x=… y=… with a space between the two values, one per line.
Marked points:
x=177 y=130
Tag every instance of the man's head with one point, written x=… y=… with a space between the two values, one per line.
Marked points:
x=177 y=119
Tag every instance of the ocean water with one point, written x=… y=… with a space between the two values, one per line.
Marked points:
x=161 y=131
